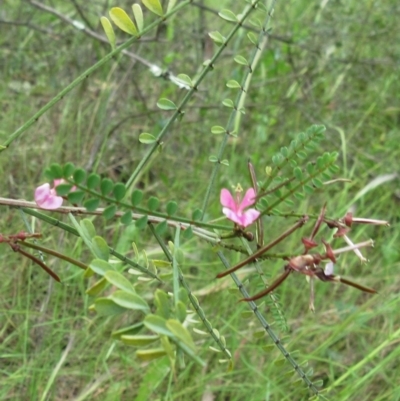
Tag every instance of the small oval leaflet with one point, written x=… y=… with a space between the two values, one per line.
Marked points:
x=228 y=103
x=138 y=13
x=109 y=212
x=217 y=130
x=241 y=60
x=166 y=104
x=100 y=248
x=106 y=307
x=228 y=15
x=147 y=138
x=126 y=218
x=233 y=84
x=106 y=186
x=93 y=181
x=136 y=197
x=122 y=20
x=130 y=301
x=79 y=175
x=217 y=38
x=91 y=204
x=154 y=6
x=68 y=169
x=138 y=340
x=109 y=31
x=119 y=191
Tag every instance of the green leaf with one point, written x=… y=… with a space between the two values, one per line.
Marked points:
x=153 y=203
x=150 y=354
x=130 y=301
x=172 y=208
x=128 y=331
x=180 y=311
x=228 y=103
x=186 y=80
x=162 y=302
x=106 y=307
x=56 y=171
x=97 y=287
x=140 y=340
x=63 y=189
x=122 y=20
x=100 y=248
x=141 y=223
x=68 y=170
x=138 y=13
x=217 y=130
x=120 y=281
x=136 y=197
x=171 y=5
x=228 y=15
x=217 y=38
x=91 y=204
x=154 y=6
x=106 y=186
x=157 y=324
x=119 y=191
x=93 y=181
x=196 y=214
x=233 y=84
x=241 y=60
x=109 y=31
x=213 y=159
x=79 y=175
x=100 y=266
x=225 y=162
x=109 y=212
x=252 y=37
x=126 y=218
x=161 y=228
x=188 y=233
x=147 y=138
x=166 y=104
x=298 y=173
x=176 y=327
x=87 y=230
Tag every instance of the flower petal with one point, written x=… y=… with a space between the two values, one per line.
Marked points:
x=248 y=199
x=45 y=198
x=231 y=215
x=227 y=200
x=329 y=269
x=249 y=217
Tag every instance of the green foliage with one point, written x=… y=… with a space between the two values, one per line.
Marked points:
x=320 y=64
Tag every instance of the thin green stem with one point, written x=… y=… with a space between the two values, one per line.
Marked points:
x=268 y=329
x=232 y=122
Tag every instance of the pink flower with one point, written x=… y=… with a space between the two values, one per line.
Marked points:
x=233 y=208
x=47 y=197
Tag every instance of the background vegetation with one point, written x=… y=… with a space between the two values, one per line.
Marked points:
x=330 y=62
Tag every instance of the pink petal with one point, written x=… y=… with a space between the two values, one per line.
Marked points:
x=45 y=198
x=248 y=199
x=227 y=200
x=249 y=217
x=231 y=215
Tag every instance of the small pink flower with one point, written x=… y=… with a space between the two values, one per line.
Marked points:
x=47 y=197
x=233 y=208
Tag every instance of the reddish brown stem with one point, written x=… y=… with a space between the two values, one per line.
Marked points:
x=264 y=249
x=358 y=286
x=37 y=261
x=274 y=285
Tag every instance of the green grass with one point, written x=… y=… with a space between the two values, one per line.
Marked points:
x=334 y=65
